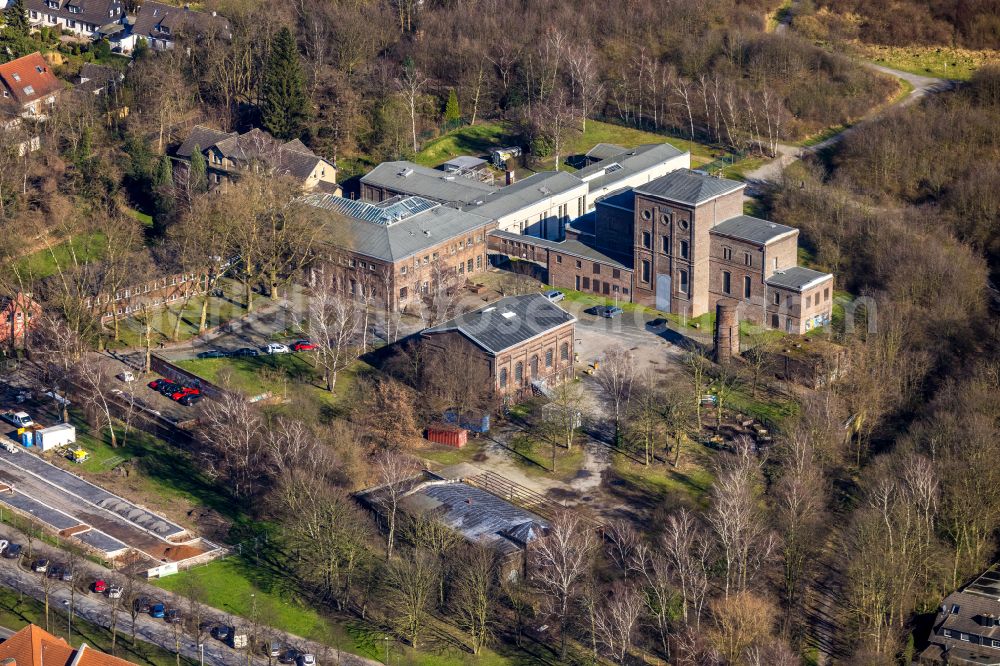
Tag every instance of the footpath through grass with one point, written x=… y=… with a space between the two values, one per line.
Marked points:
x=938 y=61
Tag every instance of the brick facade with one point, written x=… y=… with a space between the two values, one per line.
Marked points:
x=799 y=312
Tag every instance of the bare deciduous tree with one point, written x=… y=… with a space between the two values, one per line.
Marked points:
x=412 y=580
x=332 y=323
x=616 y=375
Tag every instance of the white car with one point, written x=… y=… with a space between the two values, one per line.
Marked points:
x=127 y=376
x=277 y=348
x=307 y=660
x=115 y=592
x=3 y=545
x=18 y=419
x=555 y=295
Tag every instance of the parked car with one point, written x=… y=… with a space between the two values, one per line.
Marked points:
x=245 y=351
x=157 y=383
x=169 y=388
x=157 y=610
x=307 y=659
x=274 y=649
x=128 y=376
x=3 y=545
x=303 y=345
x=289 y=656
x=40 y=566
x=183 y=391
x=190 y=399
x=99 y=586
x=606 y=311
x=276 y=348
x=13 y=551
x=173 y=616
x=221 y=632
x=555 y=295
x=115 y=592
x=54 y=571
x=141 y=605
x=213 y=353
x=656 y=323
x=18 y=419
x=67 y=575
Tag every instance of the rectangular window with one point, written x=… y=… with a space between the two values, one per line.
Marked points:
x=548 y=358
x=727 y=253
x=826 y=294
x=684 y=249
x=808 y=298
x=434 y=257
x=615 y=273
x=597 y=268
x=607 y=288
x=461 y=269
x=665 y=244
x=774 y=263
x=963 y=636
x=774 y=321
x=683 y=279
x=479 y=261
x=579 y=264
x=558 y=258
x=469 y=265
x=645 y=270
x=726 y=286
x=402 y=293
x=597 y=286
x=646 y=239
x=746 y=286
x=586 y=283
x=747 y=259
x=402 y=270
x=777 y=298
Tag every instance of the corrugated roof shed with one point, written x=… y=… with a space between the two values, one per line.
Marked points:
x=689 y=187
x=571 y=247
x=752 y=229
x=508 y=322
x=412 y=179
x=797 y=278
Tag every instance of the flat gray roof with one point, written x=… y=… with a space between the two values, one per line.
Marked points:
x=626 y=163
x=522 y=194
x=571 y=247
x=508 y=322
x=689 y=187
x=797 y=278
x=624 y=199
x=421 y=181
x=752 y=229
x=602 y=151
x=396 y=241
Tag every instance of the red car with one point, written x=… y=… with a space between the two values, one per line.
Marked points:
x=100 y=586
x=184 y=390
x=303 y=345
x=156 y=383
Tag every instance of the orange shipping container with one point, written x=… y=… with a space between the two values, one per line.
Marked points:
x=456 y=437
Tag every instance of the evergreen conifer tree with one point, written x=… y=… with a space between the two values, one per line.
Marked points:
x=14 y=40
x=283 y=107
x=451 y=112
x=197 y=177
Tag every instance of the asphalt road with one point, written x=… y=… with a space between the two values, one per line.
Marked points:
x=95 y=609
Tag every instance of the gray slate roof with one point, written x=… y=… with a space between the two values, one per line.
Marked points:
x=620 y=199
x=394 y=242
x=571 y=247
x=752 y=229
x=292 y=158
x=203 y=137
x=94 y=78
x=507 y=322
x=528 y=192
x=152 y=17
x=478 y=515
x=797 y=278
x=603 y=151
x=94 y=12
x=689 y=187
x=409 y=178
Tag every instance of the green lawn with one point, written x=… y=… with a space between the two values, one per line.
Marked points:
x=939 y=61
x=145 y=218
x=690 y=483
x=769 y=409
x=221 y=309
x=476 y=140
x=81 y=248
x=18 y=611
x=236 y=583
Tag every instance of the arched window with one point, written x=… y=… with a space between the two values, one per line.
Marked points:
x=503 y=377
x=534 y=366
x=519 y=373
x=564 y=351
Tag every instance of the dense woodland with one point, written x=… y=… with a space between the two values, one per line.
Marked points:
x=904 y=211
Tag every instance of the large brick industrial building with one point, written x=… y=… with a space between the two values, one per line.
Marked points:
x=681 y=243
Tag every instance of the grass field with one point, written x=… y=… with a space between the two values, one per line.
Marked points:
x=221 y=309
x=79 y=249
x=470 y=140
x=236 y=584
x=18 y=611
x=938 y=61
x=689 y=483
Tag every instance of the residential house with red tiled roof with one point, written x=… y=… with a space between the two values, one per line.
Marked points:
x=29 y=86
x=33 y=646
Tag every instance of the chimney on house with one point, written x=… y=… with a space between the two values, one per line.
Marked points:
x=511 y=178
